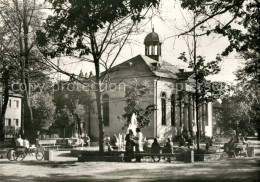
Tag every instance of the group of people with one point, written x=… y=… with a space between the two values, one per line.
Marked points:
x=19 y=142
x=137 y=142
x=156 y=148
x=231 y=145
x=188 y=140
x=131 y=142
x=83 y=141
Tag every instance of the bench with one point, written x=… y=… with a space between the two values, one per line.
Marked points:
x=155 y=157
x=48 y=144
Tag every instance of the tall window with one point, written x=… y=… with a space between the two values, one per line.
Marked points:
x=9 y=103
x=8 y=122
x=16 y=121
x=105 y=101
x=150 y=50
x=16 y=103
x=173 y=110
x=163 y=101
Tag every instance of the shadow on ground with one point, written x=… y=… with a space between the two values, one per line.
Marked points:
x=238 y=170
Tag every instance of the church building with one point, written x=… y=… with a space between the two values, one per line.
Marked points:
x=170 y=90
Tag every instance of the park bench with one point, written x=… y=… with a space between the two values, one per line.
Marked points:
x=155 y=157
x=48 y=144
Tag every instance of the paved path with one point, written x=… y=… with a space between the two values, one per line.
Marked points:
x=66 y=168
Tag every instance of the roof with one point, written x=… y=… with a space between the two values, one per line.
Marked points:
x=160 y=69
x=152 y=37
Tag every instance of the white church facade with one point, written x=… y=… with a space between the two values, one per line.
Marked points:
x=170 y=90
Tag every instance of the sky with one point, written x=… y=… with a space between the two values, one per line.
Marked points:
x=168 y=24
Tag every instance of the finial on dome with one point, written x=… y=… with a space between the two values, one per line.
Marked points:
x=153 y=28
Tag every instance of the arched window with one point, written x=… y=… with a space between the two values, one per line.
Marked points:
x=163 y=102
x=146 y=50
x=105 y=101
x=155 y=50
x=150 y=50
x=159 y=50
x=173 y=110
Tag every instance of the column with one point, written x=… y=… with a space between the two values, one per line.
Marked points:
x=185 y=112
x=203 y=119
x=190 y=114
x=180 y=113
x=200 y=119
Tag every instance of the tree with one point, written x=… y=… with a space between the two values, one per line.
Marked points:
x=242 y=28
x=93 y=31
x=242 y=119
x=135 y=104
x=21 y=18
x=8 y=73
x=201 y=68
x=75 y=101
x=43 y=109
x=64 y=122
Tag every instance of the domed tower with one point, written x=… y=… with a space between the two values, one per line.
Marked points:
x=153 y=44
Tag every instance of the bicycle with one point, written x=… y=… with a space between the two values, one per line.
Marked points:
x=19 y=153
x=39 y=152
x=16 y=154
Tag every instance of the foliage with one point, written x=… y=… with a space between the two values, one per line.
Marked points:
x=44 y=111
x=10 y=130
x=207 y=91
x=64 y=122
x=75 y=102
x=241 y=29
x=135 y=104
x=238 y=112
x=19 y=21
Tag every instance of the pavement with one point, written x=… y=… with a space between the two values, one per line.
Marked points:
x=66 y=168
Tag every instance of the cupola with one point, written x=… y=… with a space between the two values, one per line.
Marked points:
x=153 y=44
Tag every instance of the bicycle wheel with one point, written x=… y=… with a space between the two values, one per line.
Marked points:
x=19 y=155
x=39 y=155
x=11 y=155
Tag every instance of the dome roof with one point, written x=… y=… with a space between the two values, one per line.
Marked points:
x=152 y=37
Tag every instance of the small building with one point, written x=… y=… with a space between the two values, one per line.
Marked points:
x=170 y=89
x=13 y=115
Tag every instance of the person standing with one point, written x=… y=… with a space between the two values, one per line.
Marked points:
x=138 y=143
x=129 y=146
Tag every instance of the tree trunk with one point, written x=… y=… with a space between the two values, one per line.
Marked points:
x=196 y=86
x=28 y=109
x=4 y=107
x=98 y=97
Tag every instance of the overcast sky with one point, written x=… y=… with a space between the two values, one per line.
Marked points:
x=171 y=19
